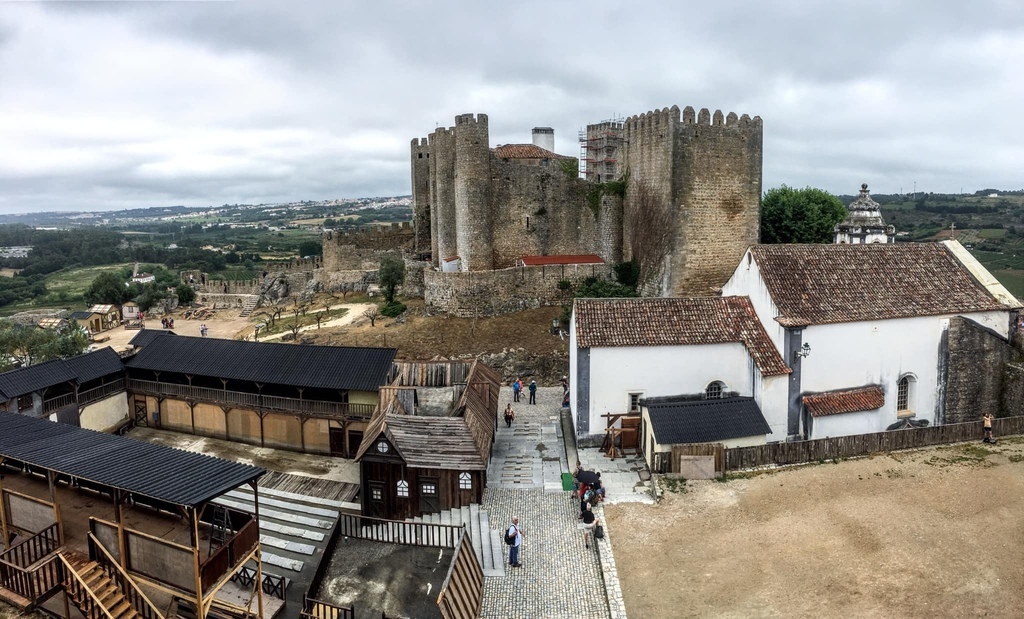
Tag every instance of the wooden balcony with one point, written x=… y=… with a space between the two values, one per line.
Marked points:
x=255 y=401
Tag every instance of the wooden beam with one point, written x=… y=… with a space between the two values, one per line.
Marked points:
x=3 y=510
x=122 y=547
x=194 y=533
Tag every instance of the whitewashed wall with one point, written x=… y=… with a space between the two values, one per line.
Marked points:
x=847 y=424
x=105 y=414
x=746 y=281
x=661 y=371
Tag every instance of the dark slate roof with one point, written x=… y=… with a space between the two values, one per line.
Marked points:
x=80 y=315
x=145 y=336
x=34 y=377
x=825 y=284
x=156 y=471
x=95 y=364
x=326 y=367
x=705 y=421
x=677 y=322
x=80 y=369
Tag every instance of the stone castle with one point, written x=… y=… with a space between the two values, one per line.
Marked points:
x=478 y=210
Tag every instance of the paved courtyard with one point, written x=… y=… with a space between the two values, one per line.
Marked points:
x=559 y=576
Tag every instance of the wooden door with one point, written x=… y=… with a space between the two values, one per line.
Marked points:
x=375 y=499
x=430 y=496
x=355 y=438
x=141 y=416
x=337 y=441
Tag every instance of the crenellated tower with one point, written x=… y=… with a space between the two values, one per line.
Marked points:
x=442 y=213
x=421 y=211
x=474 y=232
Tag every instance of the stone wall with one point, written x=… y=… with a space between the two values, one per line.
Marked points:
x=978 y=372
x=473 y=230
x=420 y=156
x=488 y=293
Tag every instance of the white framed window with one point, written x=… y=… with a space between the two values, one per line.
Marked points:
x=377 y=494
x=634 y=401
x=403 y=488
x=714 y=390
x=905 y=388
x=465 y=481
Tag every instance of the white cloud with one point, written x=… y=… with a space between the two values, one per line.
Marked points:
x=106 y=105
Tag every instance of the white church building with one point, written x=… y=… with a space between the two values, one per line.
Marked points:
x=857 y=333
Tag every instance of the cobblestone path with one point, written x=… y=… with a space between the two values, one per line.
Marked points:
x=559 y=577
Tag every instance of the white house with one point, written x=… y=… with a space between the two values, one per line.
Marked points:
x=865 y=328
x=625 y=350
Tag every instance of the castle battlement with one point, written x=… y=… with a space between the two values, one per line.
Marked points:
x=471 y=119
x=420 y=143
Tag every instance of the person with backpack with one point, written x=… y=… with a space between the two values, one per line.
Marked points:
x=514 y=539
x=517 y=386
x=533 y=392
x=590 y=521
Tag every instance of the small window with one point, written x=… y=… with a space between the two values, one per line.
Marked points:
x=905 y=395
x=714 y=390
x=634 y=402
x=429 y=488
x=25 y=402
x=544 y=163
x=377 y=494
x=421 y=156
x=527 y=222
x=403 y=488
x=465 y=481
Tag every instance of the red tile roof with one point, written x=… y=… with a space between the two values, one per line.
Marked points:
x=847 y=401
x=524 y=151
x=677 y=322
x=824 y=284
x=579 y=259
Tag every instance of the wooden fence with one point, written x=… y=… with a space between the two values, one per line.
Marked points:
x=801 y=452
x=462 y=593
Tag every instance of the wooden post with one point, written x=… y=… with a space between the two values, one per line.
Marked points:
x=122 y=548
x=259 y=548
x=194 y=533
x=3 y=512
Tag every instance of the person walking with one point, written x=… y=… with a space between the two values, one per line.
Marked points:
x=533 y=392
x=510 y=416
x=517 y=386
x=987 y=422
x=513 y=549
x=588 y=525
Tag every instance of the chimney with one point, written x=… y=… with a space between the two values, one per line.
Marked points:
x=544 y=137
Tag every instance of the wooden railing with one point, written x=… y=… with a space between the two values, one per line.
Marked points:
x=252 y=400
x=400 y=532
x=98 y=393
x=29 y=569
x=58 y=402
x=315 y=609
x=135 y=596
x=230 y=554
x=820 y=450
x=84 y=598
x=274 y=585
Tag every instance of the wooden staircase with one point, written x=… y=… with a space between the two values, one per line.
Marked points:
x=94 y=592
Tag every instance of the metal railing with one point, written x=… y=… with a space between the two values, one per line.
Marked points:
x=252 y=400
x=400 y=532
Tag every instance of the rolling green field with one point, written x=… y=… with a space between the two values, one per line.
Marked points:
x=64 y=289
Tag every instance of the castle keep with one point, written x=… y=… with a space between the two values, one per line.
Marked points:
x=489 y=207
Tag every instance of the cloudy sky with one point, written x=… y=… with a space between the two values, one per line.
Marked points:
x=127 y=104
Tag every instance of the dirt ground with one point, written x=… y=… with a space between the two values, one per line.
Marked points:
x=225 y=324
x=929 y=533
x=422 y=337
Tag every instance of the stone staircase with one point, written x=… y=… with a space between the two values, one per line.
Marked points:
x=112 y=601
x=249 y=305
x=487 y=542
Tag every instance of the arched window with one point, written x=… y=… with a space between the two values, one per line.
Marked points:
x=403 y=488
x=905 y=395
x=714 y=390
x=465 y=481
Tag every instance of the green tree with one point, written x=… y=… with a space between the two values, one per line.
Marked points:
x=310 y=248
x=391 y=276
x=25 y=346
x=806 y=215
x=107 y=288
x=186 y=294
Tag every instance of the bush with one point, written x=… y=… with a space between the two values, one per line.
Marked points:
x=393 y=309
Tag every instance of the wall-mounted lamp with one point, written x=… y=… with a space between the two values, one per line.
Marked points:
x=801 y=352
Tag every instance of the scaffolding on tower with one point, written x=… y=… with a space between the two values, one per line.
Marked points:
x=599 y=145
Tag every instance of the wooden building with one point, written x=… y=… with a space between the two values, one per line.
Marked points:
x=86 y=391
x=413 y=462
x=314 y=399
x=108 y=527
